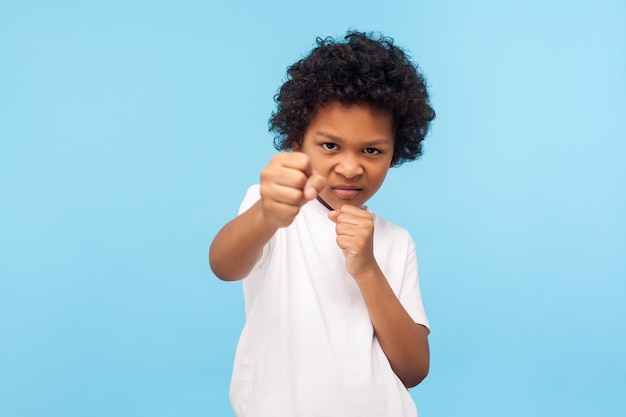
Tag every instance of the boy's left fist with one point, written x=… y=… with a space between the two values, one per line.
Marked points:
x=355 y=236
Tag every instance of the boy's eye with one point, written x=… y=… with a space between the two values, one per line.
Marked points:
x=329 y=146
x=371 y=151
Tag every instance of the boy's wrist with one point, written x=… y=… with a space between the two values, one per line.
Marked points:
x=367 y=273
x=263 y=223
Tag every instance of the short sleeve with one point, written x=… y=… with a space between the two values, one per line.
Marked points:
x=252 y=196
x=410 y=294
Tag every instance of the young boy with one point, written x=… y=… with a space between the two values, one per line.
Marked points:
x=334 y=319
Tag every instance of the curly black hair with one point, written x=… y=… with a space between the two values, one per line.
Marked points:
x=365 y=69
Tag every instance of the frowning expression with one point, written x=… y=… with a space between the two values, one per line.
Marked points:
x=353 y=148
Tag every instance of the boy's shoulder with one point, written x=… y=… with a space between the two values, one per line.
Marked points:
x=390 y=230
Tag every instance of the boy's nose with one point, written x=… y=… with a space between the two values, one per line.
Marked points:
x=349 y=167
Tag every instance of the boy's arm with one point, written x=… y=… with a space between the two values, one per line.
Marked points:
x=404 y=342
x=286 y=184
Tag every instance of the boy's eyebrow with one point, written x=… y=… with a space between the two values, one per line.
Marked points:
x=338 y=139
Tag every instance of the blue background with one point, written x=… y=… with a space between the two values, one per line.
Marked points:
x=130 y=131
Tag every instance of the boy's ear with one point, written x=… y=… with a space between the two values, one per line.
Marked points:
x=296 y=147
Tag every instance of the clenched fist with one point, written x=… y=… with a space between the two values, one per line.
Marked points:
x=288 y=182
x=355 y=236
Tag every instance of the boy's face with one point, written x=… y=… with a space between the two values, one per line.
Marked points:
x=352 y=147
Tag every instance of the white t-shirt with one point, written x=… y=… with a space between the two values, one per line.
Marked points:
x=308 y=347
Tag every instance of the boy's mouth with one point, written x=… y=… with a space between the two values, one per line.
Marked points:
x=346 y=191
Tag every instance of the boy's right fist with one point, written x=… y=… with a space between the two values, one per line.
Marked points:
x=288 y=182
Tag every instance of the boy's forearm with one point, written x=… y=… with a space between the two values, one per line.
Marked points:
x=404 y=342
x=238 y=245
